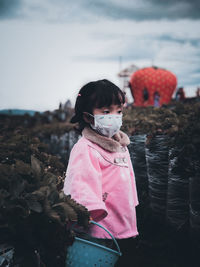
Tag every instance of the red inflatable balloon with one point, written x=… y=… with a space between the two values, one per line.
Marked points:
x=152 y=83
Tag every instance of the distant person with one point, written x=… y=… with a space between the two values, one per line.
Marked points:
x=156 y=99
x=198 y=92
x=126 y=99
x=180 y=94
x=145 y=95
x=60 y=106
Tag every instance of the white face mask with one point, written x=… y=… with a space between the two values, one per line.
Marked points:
x=108 y=124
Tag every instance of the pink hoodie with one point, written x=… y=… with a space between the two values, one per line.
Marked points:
x=103 y=181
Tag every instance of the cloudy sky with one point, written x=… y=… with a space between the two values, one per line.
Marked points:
x=50 y=48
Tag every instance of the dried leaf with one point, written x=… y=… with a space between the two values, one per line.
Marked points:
x=35 y=206
x=36 y=166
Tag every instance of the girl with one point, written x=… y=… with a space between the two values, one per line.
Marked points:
x=100 y=174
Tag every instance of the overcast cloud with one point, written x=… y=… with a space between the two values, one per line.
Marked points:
x=50 y=48
x=114 y=9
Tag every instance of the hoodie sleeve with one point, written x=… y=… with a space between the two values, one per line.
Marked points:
x=83 y=180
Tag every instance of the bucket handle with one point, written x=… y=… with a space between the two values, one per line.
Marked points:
x=115 y=241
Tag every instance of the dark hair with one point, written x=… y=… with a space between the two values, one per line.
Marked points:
x=96 y=94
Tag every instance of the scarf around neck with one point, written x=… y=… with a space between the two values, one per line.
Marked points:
x=115 y=144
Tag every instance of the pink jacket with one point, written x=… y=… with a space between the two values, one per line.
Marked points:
x=103 y=181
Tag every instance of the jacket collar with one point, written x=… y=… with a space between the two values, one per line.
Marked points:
x=115 y=144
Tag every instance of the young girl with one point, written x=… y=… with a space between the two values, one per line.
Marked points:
x=100 y=174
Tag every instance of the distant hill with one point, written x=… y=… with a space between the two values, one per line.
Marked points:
x=18 y=112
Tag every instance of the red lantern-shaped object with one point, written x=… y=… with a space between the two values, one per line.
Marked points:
x=152 y=86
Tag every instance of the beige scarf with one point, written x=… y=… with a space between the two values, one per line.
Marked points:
x=115 y=144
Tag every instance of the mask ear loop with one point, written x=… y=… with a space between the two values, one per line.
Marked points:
x=88 y=115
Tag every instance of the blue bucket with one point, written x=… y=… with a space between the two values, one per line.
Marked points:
x=84 y=253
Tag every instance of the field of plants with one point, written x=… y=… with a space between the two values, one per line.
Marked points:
x=35 y=216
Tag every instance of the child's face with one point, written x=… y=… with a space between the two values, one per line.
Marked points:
x=113 y=109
